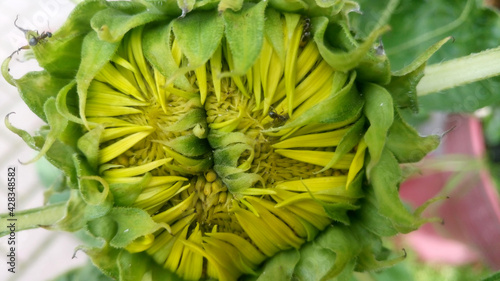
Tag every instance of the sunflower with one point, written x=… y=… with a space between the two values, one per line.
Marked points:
x=207 y=139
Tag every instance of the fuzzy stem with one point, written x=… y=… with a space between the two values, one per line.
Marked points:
x=460 y=71
x=33 y=218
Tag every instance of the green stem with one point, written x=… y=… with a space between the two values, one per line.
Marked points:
x=460 y=71
x=33 y=218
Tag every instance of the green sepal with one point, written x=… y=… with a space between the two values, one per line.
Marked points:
x=112 y=23
x=371 y=219
x=403 y=86
x=88 y=144
x=245 y=35
x=37 y=87
x=379 y=111
x=186 y=6
x=236 y=179
x=229 y=156
x=290 y=6
x=189 y=145
x=345 y=243
x=57 y=126
x=95 y=54
x=125 y=194
x=132 y=267
x=199 y=35
x=195 y=116
x=314 y=263
x=156 y=47
x=103 y=228
x=385 y=178
x=75 y=214
x=338 y=59
x=59 y=154
x=234 y=5
x=374 y=68
x=167 y=7
x=60 y=55
x=92 y=188
x=279 y=268
x=274 y=33
x=132 y=223
x=347 y=143
x=105 y=259
x=405 y=142
x=220 y=139
x=338 y=211
x=347 y=102
x=159 y=273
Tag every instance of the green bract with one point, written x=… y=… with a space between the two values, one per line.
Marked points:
x=224 y=139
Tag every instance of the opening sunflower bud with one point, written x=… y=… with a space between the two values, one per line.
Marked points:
x=205 y=139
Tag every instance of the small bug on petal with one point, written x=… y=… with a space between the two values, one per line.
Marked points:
x=306 y=32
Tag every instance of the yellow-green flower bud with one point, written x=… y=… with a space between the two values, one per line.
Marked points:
x=203 y=138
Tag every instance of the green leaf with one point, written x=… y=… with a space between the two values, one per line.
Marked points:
x=112 y=23
x=338 y=59
x=199 y=35
x=89 y=145
x=93 y=189
x=37 y=87
x=132 y=266
x=347 y=143
x=57 y=125
x=347 y=103
x=406 y=144
x=274 y=33
x=379 y=112
x=244 y=33
x=189 y=145
x=288 y=5
x=385 y=179
x=105 y=259
x=132 y=223
x=280 y=267
x=314 y=263
x=125 y=194
x=155 y=39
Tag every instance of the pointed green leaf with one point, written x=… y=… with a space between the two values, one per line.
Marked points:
x=156 y=45
x=245 y=35
x=132 y=223
x=385 y=178
x=111 y=24
x=341 y=60
x=37 y=87
x=199 y=35
x=379 y=111
x=347 y=104
x=406 y=144
x=275 y=33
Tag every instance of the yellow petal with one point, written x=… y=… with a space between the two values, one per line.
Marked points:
x=320 y=158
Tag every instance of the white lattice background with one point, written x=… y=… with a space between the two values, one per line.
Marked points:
x=41 y=254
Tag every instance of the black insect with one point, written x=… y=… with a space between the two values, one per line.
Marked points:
x=278 y=119
x=306 y=32
x=34 y=37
